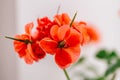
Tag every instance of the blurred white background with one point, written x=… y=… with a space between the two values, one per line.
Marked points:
x=14 y=14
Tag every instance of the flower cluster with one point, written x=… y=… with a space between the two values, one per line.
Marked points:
x=61 y=37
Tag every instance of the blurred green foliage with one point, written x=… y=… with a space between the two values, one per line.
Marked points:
x=110 y=58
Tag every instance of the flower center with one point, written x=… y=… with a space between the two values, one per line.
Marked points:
x=27 y=41
x=61 y=44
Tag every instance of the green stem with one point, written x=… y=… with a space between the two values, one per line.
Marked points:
x=25 y=41
x=73 y=19
x=66 y=74
x=58 y=9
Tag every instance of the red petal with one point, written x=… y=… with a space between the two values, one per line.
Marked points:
x=85 y=35
x=65 y=57
x=63 y=32
x=74 y=52
x=28 y=28
x=48 y=45
x=62 y=19
x=35 y=51
x=28 y=59
x=66 y=18
x=74 y=38
x=30 y=51
x=20 y=46
x=54 y=31
x=58 y=19
x=93 y=34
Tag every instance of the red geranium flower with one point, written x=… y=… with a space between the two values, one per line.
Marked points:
x=26 y=47
x=64 y=44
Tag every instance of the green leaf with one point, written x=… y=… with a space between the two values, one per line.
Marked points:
x=107 y=55
x=102 y=54
x=112 y=57
x=113 y=54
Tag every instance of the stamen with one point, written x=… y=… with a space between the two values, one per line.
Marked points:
x=61 y=44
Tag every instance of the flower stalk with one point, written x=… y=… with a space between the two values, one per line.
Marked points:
x=66 y=74
x=58 y=9
x=25 y=41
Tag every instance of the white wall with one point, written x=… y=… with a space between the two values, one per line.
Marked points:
x=8 y=62
x=102 y=13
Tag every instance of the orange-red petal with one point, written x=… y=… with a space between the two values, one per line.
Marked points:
x=58 y=19
x=27 y=58
x=63 y=32
x=35 y=51
x=28 y=28
x=66 y=18
x=62 y=58
x=54 y=31
x=74 y=38
x=93 y=34
x=74 y=52
x=20 y=46
x=62 y=19
x=65 y=57
x=80 y=27
x=48 y=45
